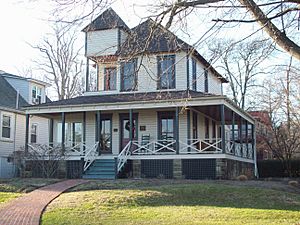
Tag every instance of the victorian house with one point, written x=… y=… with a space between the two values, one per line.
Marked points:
x=158 y=110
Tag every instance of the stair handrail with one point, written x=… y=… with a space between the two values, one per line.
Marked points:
x=123 y=156
x=90 y=156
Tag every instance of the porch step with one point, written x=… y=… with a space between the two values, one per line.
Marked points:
x=101 y=169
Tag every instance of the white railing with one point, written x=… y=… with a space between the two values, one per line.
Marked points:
x=90 y=156
x=153 y=147
x=123 y=156
x=201 y=146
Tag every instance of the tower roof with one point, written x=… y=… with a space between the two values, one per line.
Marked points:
x=109 y=19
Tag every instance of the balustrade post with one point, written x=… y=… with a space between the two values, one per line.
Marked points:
x=177 y=129
x=222 y=115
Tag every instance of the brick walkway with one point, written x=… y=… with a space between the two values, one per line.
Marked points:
x=27 y=210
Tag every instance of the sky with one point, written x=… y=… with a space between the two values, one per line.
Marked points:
x=25 y=22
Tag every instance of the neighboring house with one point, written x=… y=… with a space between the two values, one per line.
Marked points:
x=263 y=132
x=17 y=92
x=159 y=110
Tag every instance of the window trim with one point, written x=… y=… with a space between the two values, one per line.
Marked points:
x=160 y=58
x=135 y=88
x=104 y=78
x=10 y=138
x=36 y=88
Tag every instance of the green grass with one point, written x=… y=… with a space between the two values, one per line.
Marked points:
x=13 y=188
x=140 y=202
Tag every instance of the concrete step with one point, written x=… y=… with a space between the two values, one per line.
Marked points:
x=104 y=177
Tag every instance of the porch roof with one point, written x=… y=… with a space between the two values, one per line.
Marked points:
x=149 y=100
x=124 y=97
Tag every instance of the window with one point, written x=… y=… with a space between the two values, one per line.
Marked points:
x=36 y=95
x=205 y=80
x=33 y=133
x=76 y=134
x=194 y=73
x=206 y=128
x=166 y=125
x=166 y=72
x=110 y=79
x=128 y=76
x=106 y=133
x=6 y=126
x=73 y=133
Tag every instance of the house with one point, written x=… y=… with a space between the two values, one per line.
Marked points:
x=158 y=111
x=263 y=132
x=17 y=92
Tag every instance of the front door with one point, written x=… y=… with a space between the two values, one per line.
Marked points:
x=125 y=128
x=106 y=134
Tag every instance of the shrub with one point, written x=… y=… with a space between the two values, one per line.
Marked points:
x=242 y=178
x=293 y=183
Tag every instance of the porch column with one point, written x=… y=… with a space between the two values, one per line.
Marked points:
x=83 y=132
x=188 y=128
x=98 y=133
x=51 y=132
x=87 y=74
x=247 y=148
x=222 y=114
x=232 y=132
x=177 y=129
x=63 y=125
x=27 y=132
x=253 y=140
x=130 y=125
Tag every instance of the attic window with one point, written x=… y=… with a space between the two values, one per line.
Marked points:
x=166 y=72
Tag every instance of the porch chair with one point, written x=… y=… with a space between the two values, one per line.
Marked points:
x=145 y=140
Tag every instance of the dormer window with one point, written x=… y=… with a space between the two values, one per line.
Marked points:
x=128 y=75
x=110 y=79
x=166 y=72
x=36 y=95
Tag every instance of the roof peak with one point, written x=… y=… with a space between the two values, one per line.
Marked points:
x=108 y=19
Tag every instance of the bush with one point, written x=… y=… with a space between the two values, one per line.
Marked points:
x=293 y=183
x=242 y=178
x=274 y=168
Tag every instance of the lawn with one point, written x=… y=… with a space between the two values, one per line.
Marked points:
x=13 y=188
x=168 y=202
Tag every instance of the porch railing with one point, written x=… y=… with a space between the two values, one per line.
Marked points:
x=90 y=156
x=123 y=156
x=156 y=147
x=201 y=146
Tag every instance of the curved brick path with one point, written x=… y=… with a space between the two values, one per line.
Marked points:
x=27 y=210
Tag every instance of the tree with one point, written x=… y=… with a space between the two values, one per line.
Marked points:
x=61 y=62
x=268 y=14
x=281 y=99
x=240 y=63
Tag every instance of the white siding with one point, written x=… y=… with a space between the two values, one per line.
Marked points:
x=214 y=85
x=102 y=42
x=124 y=35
